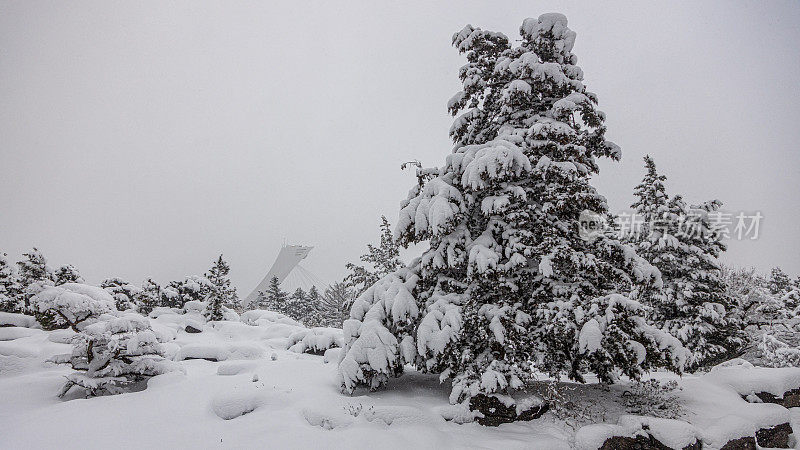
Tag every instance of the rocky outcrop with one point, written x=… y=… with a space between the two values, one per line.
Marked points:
x=641 y=443
x=775 y=437
x=790 y=399
x=191 y=329
x=495 y=412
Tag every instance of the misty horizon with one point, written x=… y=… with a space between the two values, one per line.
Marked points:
x=146 y=139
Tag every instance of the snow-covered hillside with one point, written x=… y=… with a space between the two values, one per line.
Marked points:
x=254 y=388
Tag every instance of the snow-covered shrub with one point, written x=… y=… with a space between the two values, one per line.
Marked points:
x=8 y=287
x=315 y=340
x=33 y=274
x=509 y=286
x=379 y=334
x=112 y=354
x=67 y=274
x=70 y=305
x=123 y=292
x=776 y=353
x=654 y=398
x=569 y=406
x=148 y=297
x=762 y=312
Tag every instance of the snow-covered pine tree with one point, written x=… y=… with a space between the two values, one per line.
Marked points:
x=191 y=288
x=194 y=288
x=33 y=274
x=148 y=297
x=67 y=274
x=380 y=261
x=782 y=287
x=8 y=286
x=70 y=305
x=274 y=298
x=313 y=296
x=692 y=303
x=124 y=293
x=651 y=209
x=509 y=286
x=112 y=354
x=727 y=338
x=334 y=305
x=221 y=293
x=779 y=281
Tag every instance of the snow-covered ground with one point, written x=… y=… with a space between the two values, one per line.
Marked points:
x=258 y=393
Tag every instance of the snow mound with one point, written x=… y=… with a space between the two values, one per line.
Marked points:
x=746 y=379
x=20 y=351
x=245 y=351
x=18 y=320
x=235 y=404
x=263 y=317
x=235 y=368
x=327 y=420
x=216 y=352
x=194 y=306
x=745 y=422
x=208 y=352
x=672 y=433
x=11 y=333
x=315 y=340
x=331 y=355
x=592 y=437
x=61 y=336
x=459 y=413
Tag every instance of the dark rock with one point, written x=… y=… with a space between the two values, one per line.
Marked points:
x=775 y=437
x=191 y=329
x=495 y=412
x=633 y=443
x=207 y=359
x=641 y=442
x=790 y=399
x=745 y=443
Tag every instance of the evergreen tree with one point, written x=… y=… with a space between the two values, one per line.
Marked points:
x=67 y=274
x=191 y=288
x=274 y=298
x=334 y=306
x=381 y=261
x=297 y=305
x=8 y=286
x=148 y=297
x=124 y=293
x=221 y=293
x=651 y=209
x=33 y=274
x=691 y=303
x=779 y=281
x=508 y=286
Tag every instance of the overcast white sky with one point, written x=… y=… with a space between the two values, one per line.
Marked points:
x=144 y=138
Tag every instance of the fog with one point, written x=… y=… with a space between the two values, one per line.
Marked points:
x=144 y=139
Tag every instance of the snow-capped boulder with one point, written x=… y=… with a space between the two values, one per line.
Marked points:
x=496 y=409
x=315 y=340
